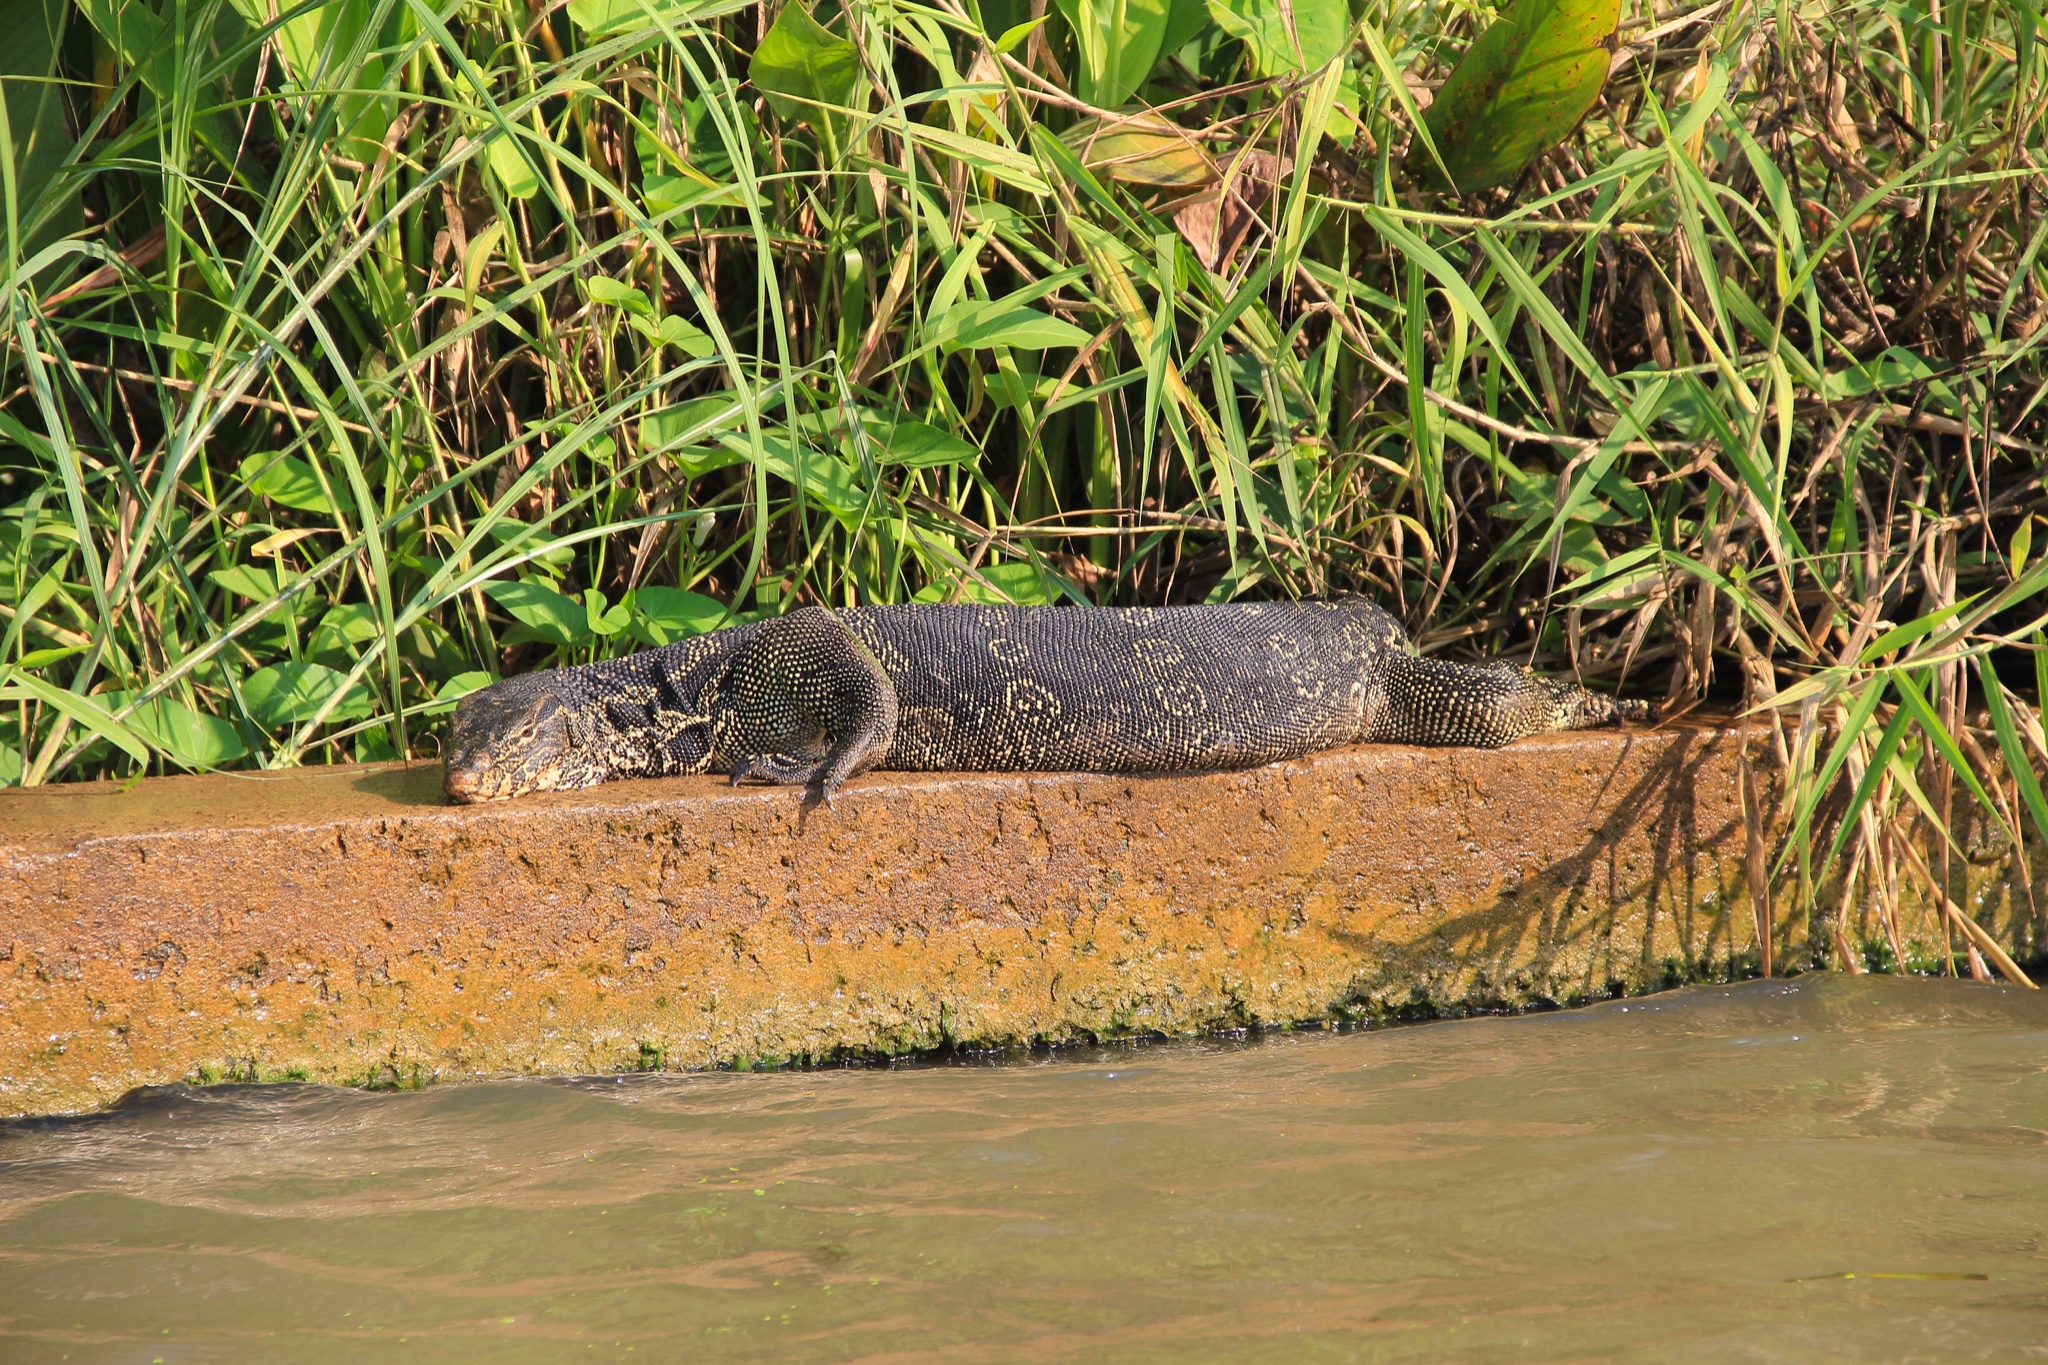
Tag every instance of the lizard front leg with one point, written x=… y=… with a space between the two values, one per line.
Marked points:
x=806 y=703
x=1436 y=701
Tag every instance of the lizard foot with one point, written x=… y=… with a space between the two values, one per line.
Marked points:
x=786 y=771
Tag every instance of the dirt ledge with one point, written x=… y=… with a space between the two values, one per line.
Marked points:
x=344 y=925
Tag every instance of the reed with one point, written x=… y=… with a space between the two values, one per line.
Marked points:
x=359 y=352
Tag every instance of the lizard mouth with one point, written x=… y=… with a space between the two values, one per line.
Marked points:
x=471 y=781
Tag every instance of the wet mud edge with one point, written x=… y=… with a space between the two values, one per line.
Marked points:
x=345 y=925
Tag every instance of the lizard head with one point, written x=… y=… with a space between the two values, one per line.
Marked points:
x=517 y=737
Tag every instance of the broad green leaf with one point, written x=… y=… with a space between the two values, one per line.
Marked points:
x=1016 y=387
x=246 y=580
x=1893 y=368
x=1118 y=43
x=551 y=617
x=601 y=17
x=293 y=693
x=318 y=42
x=515 y=174
x=461 y=685
x=997 y=584
x=692 y=434
x=255 y=583
x=1015 y=34
x=684 y=335
x=1286 y=39
x=979 y=326
x=983 y=155
x=618 y=294
x=289 y=481
x=671 y=193
x=917 y=444
x=661 y=616
x=191 y=739
x=800 y=65
x=537 y=542
x=597 y=17
x=343 y=628
x=602 y=618
x=824 y=477
x=135 y=33
x=43 y=658
x=1518 y=91
x=36 y=117
x=1185 y=19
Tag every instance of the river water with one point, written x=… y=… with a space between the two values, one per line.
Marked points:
x=1825 y=1169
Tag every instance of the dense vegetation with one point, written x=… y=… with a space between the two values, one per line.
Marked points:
x=359 y=351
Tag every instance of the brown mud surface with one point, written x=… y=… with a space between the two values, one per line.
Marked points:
x=344 y=924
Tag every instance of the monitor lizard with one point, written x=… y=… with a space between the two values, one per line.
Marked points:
x=816 y=696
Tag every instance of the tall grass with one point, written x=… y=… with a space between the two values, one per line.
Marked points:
x=360 y=351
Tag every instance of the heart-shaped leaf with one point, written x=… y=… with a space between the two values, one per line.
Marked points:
x=662 y=616
x=618 y=294
x=684 y=335
x=551 y=617
x=289 y=482
x=192 y=740
x=801 y=65
x=293 y=693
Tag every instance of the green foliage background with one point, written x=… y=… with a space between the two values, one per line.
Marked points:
x=360 y=351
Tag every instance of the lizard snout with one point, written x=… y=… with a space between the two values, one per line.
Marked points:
x=464 y=780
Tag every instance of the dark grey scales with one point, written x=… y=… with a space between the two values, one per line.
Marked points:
x=817 y=696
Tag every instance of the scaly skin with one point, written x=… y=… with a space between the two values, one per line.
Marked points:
x=818 y=696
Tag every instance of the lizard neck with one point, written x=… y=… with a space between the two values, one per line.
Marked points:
x=657 y=713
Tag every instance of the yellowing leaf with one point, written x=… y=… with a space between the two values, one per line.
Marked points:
x=1143 y=150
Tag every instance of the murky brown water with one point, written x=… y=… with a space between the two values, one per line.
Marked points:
x=1690 y=1177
